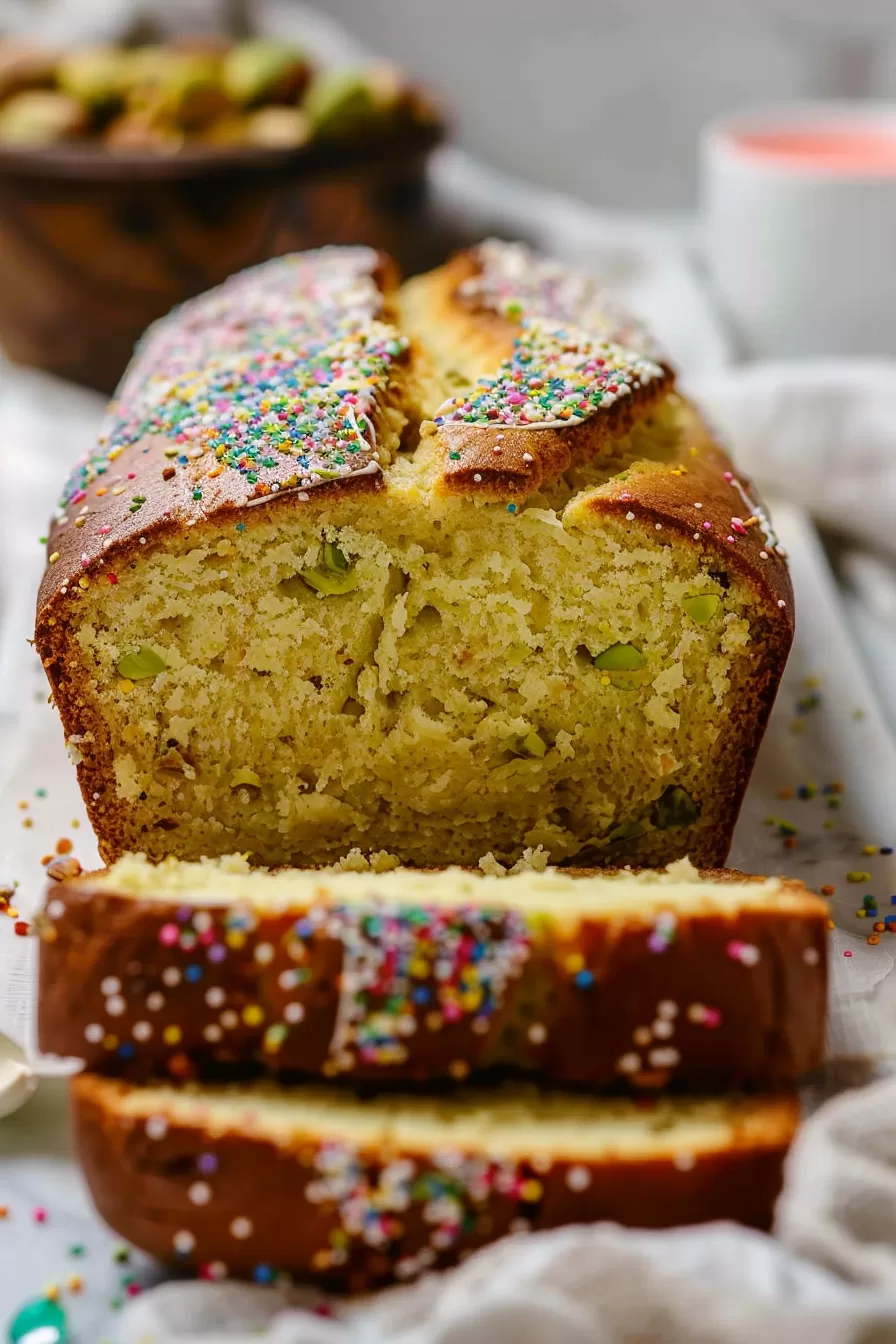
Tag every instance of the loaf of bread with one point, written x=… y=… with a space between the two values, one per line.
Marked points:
x=440 y=570
x=313 y=1182
x=577 y=978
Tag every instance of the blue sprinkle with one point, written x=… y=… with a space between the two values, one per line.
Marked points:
x=128 y=1050
x=303 y=927
x=421 y=996
x=584 y=978
x=886 y=849
x=263 y=1274
x=511 y=508
x=193 y=973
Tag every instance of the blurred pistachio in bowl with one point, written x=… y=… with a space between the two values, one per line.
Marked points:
x=134 y=177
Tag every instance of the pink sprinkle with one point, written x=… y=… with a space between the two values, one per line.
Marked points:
x=729 y=476
x=707 y=527
x=516 y=398
x=132 y=475
x=847 y=953
x=737 y=525
x=133 y=1290
x=39 y=1214
x=104 y=529
x=711 y=1017
x=168 y=935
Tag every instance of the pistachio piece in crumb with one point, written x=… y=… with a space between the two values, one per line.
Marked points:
x=142 y=664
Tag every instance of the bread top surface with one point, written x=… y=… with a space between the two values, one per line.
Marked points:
x=561 y=894
x=510 y=1122
x=313 y=375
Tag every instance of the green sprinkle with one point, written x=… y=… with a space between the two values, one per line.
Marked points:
x=620 y=658
x=701 y=607
x=144 y=663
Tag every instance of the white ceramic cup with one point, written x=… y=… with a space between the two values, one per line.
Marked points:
x=802 y=250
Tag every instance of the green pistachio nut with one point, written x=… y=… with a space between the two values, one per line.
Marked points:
x=262 y=71
x=675 y=808
x=335 y=559
x=95 y=76
x=40 y=117
x=701 y=607
x=620 y=658
x=276 y=128
x=629 y=830
x=339 y=103
x=333 y=575
x=533 y=745
x=142 y=664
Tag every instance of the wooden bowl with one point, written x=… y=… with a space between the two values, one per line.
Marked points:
x=95 y=245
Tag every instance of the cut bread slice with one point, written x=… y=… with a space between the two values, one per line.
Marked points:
x=581 y=978
x=318 y=1184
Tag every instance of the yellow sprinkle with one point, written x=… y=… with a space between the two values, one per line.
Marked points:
x=74 y=1283
x=869 y=849
x=110 y=1042
x=858 y=876
x=575 y=962
x=115 y=452
x=172 y=1035
x=79 y=522
x=51 y=1292
x=54 y=557
x=235 y=940
x=861 y=913
x=125 y=686
x=118 y=490
x=605 y=681
x=253 y=1015
x=530 y=1191
x=83 y=582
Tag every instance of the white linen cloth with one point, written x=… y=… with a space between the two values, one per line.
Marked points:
x=829 y=1279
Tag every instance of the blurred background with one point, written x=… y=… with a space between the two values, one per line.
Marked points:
x=599 y=98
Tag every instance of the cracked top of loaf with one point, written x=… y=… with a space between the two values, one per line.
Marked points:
x=493 y=377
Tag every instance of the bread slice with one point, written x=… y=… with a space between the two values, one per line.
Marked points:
x=331 y=579
x=585 y=978
x=353 y=1193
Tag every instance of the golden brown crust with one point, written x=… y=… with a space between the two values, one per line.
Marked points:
x=246 y=1204
x=699 y=998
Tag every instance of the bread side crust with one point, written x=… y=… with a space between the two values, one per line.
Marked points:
x=650 y=997
x=213 y=1194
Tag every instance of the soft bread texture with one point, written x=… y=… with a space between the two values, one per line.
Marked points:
x=578 y=978
x=302 y=599
x=387 y=1188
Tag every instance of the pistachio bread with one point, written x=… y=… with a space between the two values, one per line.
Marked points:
x=442 y=569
